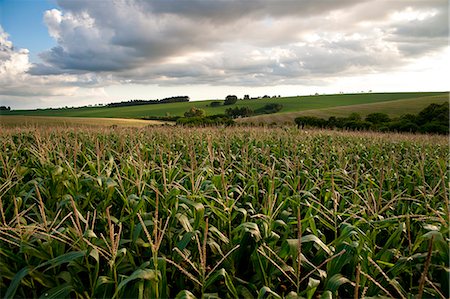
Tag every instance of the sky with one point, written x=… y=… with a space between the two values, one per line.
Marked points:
x=56 y=53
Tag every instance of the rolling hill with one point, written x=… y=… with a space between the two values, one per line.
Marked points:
x=320 y=105
x=392 y=108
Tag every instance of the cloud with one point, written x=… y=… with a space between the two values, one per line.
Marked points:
x=421 y=32
x=20 y=88
x=250 y=43
x=238 y=42
x=12 y=62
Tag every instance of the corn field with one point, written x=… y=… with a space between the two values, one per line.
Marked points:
x=222 y=213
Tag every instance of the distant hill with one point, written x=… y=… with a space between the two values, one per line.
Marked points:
x=322 y=105
x=393 y=108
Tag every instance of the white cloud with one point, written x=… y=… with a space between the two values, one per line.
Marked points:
x=158 y=41
x=227 y=43
x=12 y=62
x=19 y=88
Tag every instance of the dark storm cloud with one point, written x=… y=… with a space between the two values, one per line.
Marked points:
x=225 y=11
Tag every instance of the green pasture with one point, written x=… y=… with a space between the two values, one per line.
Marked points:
x=290 y=104
x=394 y=108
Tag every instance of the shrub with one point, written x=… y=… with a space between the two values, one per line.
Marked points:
x=239 y=112
x=432 y=119
x=312 y=121
x=163 y=118
x=213 y=120
x=230 y=100
x=434 y=113
x=412 y=118
x=354 y=116
x=357 y=125
x=402 y=126
x=434 y=127
x=269 y=108
x=378 y=118
x=195 y=112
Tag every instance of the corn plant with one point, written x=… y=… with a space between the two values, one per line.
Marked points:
x=222 y=213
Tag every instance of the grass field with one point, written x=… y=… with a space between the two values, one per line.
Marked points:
x=170 y=212
x=290 y=104
x=39 y=121
x=393 y=108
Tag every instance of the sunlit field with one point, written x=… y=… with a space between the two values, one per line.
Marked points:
x=395 y=108
x=406 y=102
x=52 y=121
x=170 y=212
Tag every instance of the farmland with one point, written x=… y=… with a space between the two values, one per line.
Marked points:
x=290 y=105
x=393 y=108
x=222 y=213
x=52 y=121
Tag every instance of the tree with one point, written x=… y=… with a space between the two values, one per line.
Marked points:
x=239 y=112
x=213 y=120
x=354 y=116
x=246 y=97
x=216 y=104
x=195 y=112
x=378 y=118
x=434 y=112
x=230 y=100
x=312 y=121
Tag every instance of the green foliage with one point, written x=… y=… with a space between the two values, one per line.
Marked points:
x=174 y=212
x=230 y=100
x=378 y=118
x=195 y=112
x=176 y=99
x=213 y=120
x=354 y=117
x=216 y=104
x=310 y=121
x=433 y=119
x=269 y=108
x=162 y=118
x=239 y=112
x=434 y=113
x=290 y=104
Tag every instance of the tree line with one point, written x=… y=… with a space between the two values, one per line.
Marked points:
x=176 y=99
x=246 y=111
x=432 y=119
